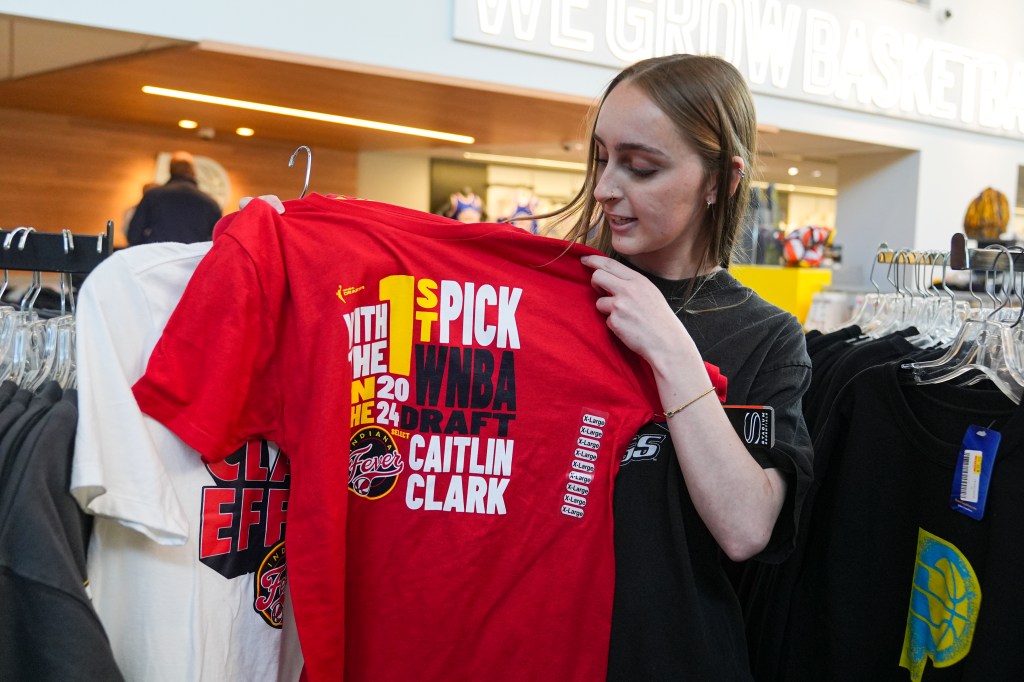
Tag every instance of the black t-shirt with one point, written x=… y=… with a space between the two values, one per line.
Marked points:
x=836 y=359
x=676 y=614
x=821 y=341
x=843 y=362
x=893 y=446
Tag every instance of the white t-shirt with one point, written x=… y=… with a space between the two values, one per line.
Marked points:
x=178 y=549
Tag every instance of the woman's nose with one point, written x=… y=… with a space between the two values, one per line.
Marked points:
x=604 y=190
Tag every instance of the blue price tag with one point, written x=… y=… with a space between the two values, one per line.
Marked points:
x=974 y=471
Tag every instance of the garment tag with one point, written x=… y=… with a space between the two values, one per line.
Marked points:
x=755 y=424
x=974 y=471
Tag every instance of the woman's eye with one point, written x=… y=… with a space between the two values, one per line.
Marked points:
x=600 y=161
x=642 y=172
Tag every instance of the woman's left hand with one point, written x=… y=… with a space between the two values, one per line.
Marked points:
x=271 y=199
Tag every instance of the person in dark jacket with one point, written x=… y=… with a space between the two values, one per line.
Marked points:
x=177 y=211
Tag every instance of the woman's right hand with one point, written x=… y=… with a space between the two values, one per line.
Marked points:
x=637 y=312
x=271 y=199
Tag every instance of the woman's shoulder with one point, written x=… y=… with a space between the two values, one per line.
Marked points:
x=730 y=310
x=728 y=295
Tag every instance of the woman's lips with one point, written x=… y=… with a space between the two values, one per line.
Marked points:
x=619 y=223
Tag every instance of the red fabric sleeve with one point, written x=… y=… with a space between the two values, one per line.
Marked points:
x=210 y=377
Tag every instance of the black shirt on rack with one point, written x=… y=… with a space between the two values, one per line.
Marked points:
x=49 y=630
x=893 y=448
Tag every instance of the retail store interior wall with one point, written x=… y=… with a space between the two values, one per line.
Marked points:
x=877 y=194
x=66 y=172
x=395 y=178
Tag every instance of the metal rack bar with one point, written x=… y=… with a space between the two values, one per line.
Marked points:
x=910 y=257
x=987 y=259
x=50 y=251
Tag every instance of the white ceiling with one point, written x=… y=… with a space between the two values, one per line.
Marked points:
x=29 y=46
x=95 y=73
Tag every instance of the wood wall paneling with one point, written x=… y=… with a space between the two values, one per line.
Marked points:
x=60 y=171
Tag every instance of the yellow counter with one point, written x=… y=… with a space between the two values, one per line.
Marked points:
x=789 y=288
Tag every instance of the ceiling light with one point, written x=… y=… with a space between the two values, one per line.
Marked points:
x=245 y=132
x=815 y=173
x=187 y=124
x=525 y=161
x=302 y=113
x=793 y=170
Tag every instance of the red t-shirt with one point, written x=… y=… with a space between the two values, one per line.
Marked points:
x=454 y=408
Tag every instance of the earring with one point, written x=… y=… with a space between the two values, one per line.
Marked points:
x=710 y=204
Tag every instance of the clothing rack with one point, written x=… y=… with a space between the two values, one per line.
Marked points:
x=982 y=259
x=908 y=257
x=905 y=257
x=24 y=248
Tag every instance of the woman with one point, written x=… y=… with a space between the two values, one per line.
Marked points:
x=667 y=185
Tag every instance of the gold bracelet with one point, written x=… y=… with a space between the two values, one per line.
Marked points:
x=683 y=407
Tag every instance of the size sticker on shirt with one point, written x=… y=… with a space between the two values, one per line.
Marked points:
x=589 y=436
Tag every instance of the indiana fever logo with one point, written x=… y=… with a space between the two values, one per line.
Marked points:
x=374 y=463
x=271 y=578
x=243 y=522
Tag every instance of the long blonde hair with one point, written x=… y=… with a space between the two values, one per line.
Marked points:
x=712 y=108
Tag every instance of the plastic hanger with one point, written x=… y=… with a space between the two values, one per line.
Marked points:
x=14 y=323
x=938 y=317
x=892 y=313
x=31 y=351
x=1013 y=338
x=960 y=342
x=869 y=306
x=950 y=313
x=50 y=356
x=920 y=305
x=980 y=347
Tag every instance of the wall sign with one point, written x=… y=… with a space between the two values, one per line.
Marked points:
x=783 y=49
